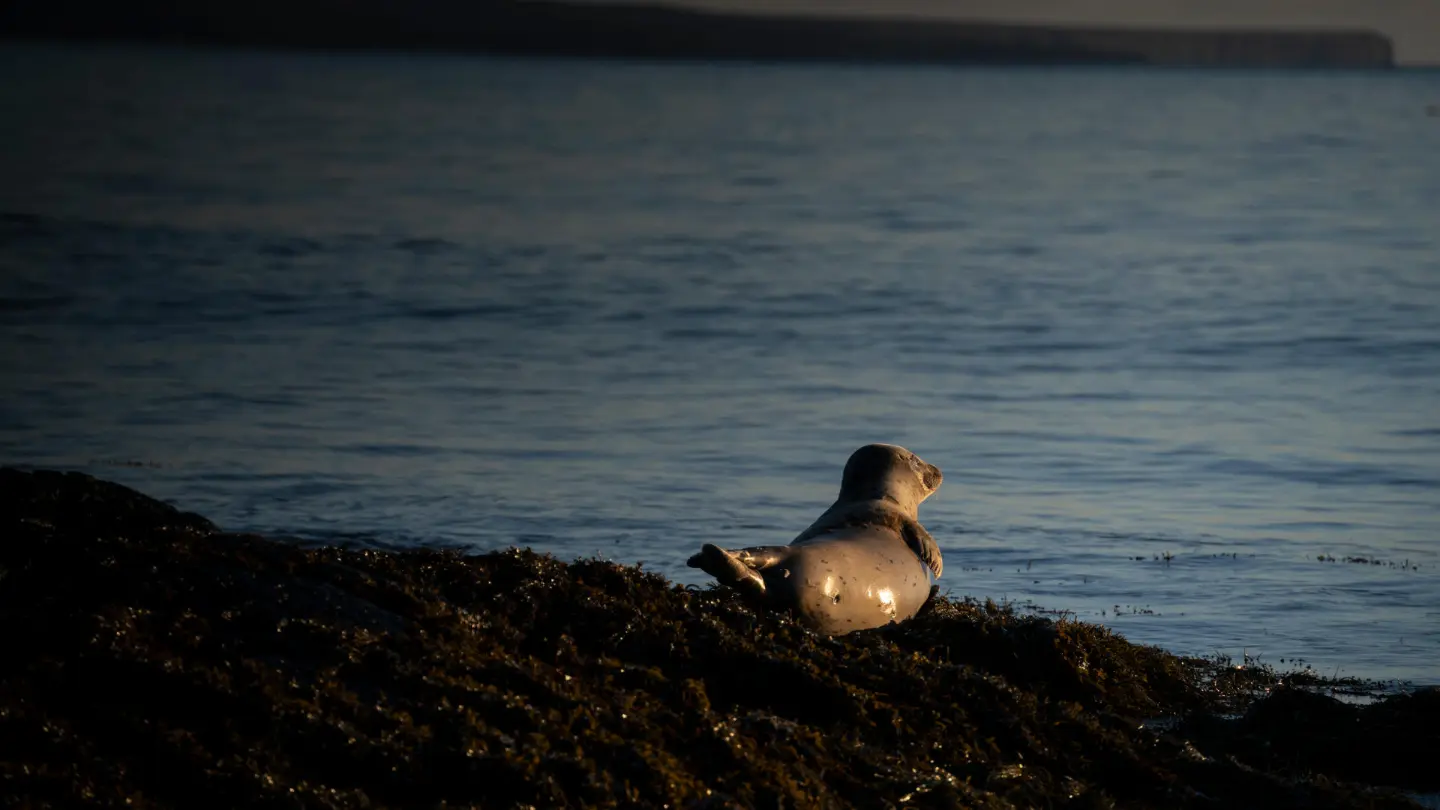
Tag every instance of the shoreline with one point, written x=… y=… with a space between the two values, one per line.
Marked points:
x=154 y=657
x=640 y=31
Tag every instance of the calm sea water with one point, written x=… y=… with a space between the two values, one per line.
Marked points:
x=625 y=309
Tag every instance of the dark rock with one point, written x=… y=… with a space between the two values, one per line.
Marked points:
x=1296 y=731
x=151 y=660
x=77 y=503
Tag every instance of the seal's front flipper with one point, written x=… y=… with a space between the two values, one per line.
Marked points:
x=728 y=567
x=924 y=546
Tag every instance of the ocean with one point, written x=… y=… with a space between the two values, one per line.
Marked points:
x=1172 y=335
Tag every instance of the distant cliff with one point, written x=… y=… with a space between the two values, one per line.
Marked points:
x=635 y=31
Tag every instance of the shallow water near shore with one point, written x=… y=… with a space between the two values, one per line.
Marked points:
x=1173 y=336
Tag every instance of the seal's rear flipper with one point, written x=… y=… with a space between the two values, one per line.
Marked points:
x=761 y=557
x=728 y=567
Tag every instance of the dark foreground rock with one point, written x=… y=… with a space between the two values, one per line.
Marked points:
x=149 y=660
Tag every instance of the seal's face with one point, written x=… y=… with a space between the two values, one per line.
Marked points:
x=889 y=471
x=930 y=475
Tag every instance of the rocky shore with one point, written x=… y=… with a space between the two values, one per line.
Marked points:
x=152 y=660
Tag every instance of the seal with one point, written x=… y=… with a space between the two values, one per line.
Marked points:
x=866 y=562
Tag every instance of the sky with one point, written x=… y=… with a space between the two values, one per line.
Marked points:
x=1413 y=25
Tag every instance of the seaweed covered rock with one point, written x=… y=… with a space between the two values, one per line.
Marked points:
x=1296 y=731
x=151 y=660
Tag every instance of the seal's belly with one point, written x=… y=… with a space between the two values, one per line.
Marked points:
x=850 y=580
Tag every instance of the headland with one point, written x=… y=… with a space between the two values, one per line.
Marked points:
x=639 y=31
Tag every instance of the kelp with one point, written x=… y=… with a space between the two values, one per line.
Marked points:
x=148 y=659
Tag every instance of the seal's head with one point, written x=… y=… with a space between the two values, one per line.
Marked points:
x=889 y=471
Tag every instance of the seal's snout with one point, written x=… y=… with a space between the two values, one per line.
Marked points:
x=932 y=476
